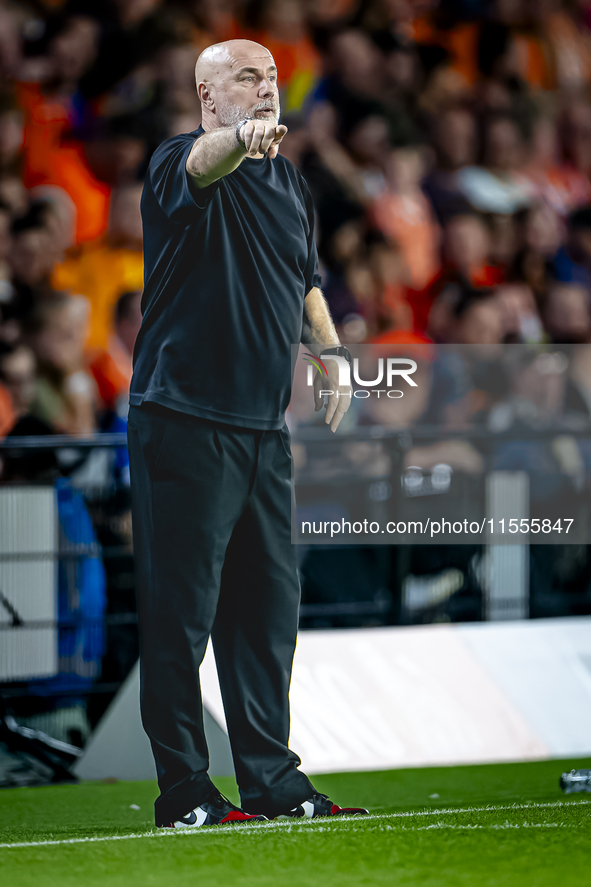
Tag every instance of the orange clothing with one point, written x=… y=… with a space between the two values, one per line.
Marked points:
x=102 y=273
x=7 y=414
x=51 y=159
x=421 y=300
x=409 y=221
x=298 y=65
x=112 y=370
x=461 y=42
x=533 y=61
x=563 y=187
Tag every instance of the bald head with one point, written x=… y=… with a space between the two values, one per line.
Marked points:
x=236 y=79
x=216 y=60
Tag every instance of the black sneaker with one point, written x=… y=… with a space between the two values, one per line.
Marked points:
x=576 y=781
x=320 y=805
x=217 y=811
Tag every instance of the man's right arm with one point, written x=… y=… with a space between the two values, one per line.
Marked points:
x=217 y=153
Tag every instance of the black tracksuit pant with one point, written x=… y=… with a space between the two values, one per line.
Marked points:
x=212 y=538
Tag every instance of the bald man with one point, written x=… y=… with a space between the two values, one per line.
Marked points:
x=231 y=281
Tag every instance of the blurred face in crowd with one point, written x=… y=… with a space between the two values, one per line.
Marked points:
x=74 y=49
x=505 y=237
x=545 y=142
x=577 y=134
x=358 y=62
x=295 y=142
x=125 y=219
x=467 y=243
x=402 y=70
x=480 y=324
x=581 y=240
x=405 y=169
x=17 y=373
x=346 y=242
x=542 y=383
x=33 y=255
x=519 y=313
x=14 y=194
x=368 y=140
x=510 y=11
x=126 y=153
x=236 y=79
x=456 y=139
x=60 y=341
x=60 y=216
x=61 y=224
x=11 y=136
x=176 y=69
x=217 y=17
x=284 y=19
x=504 y=147
x=566 y=313
x=543 y=232
x=131 y=12
x=5 y=239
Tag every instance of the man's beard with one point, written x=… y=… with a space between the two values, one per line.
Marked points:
x=230 y=115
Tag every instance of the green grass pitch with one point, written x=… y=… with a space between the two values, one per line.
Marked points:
x=477 y=826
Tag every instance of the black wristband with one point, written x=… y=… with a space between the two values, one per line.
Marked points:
x=341 y=351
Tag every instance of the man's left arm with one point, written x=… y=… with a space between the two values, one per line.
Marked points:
x=318 y=332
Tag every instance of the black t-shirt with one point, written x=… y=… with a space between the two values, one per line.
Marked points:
x=227 y=269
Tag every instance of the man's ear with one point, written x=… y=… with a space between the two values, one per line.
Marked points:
x=205 y=96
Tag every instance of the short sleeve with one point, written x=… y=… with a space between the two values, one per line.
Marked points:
x=311 y=275
x=171 y=183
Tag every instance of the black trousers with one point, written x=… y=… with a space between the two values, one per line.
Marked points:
x=211 y=528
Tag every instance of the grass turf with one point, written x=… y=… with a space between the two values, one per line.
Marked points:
x=424 y=830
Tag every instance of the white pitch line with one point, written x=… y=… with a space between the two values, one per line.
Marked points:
x=310 y=823
x=448 y=826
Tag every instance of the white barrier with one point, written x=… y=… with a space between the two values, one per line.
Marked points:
x=28 y=582
x=380 y=698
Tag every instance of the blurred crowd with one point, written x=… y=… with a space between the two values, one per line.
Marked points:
x=447 y=146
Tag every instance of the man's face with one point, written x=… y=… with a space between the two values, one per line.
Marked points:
x=243 y=83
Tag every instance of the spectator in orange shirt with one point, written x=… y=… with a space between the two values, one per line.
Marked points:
x=106 y=268
x=51 y=156
x=405 y=217
x=468 y=249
